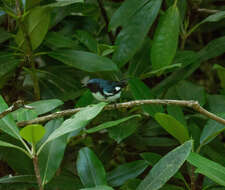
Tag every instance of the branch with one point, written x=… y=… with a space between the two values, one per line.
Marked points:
x=16 y=105
x=104 y=14
x=190 y=104
x=209 y=11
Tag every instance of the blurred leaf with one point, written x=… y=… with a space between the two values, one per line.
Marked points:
x=151 y=157
x=221 y=73
x=52 y=154
x=6 y=144
x=99 y=187
x=216 y=103
x=159 y=141
x=172 y=126
x=211 y=130
x=87 y=39
x=56 y=40
x=110 y=124
x=131 y=184
x=123 y=130
x=62 y=3
x=104 y=49
x=165 y=40
x=7 y=124
x=90 y=168
x=188 y=91
x=132 y=36
x=85 y=100
x=177 y=113
x=4 y=35
x=171 y=187
x=19 y=179
x=166 y=167
x=76 y=122
x=124 y=172
x=36 y=23
x=206 y=167
x=32 y=133
x=85 y=61
x=141 y=91
x=125 y=12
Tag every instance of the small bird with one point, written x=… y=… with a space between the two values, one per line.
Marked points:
x=104 y=90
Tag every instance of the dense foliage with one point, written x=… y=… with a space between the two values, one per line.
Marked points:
x=165 y=49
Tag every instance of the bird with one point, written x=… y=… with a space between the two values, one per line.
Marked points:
x=105 y=90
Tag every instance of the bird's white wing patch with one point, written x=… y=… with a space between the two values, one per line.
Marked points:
x=107 y=93
x=117 y=88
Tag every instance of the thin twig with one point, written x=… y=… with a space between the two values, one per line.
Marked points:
x=104 y=14
x=210 y=11
x=191 y=104
x=16 y=105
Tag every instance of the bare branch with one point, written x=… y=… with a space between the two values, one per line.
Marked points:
x=209 y=11
x=16 y=105
x=191 y=104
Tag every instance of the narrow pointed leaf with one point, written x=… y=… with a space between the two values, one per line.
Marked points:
x=90 y=168
x=165 y=39
x=172 y=126
x=166 y=167
x=6 y=144
x=211 y=169
x=99 y=187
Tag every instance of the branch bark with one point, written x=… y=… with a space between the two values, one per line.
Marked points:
x=190 y=104
x=16 y=105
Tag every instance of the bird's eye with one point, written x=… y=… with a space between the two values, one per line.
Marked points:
x=117 y=88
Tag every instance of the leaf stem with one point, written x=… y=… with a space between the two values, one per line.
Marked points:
x=37 y=172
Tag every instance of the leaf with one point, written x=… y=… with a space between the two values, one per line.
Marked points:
x=87 y=39
x=211 y=130
x=4 y=35
x=216 y=103
x=90 y=168
x=76 y=122
x=132 y=36
x=172 y=126
x=196 y=93
x=165 y=40
x=19 y=179
x=159 y=141
x=99 y=187
x=7 y=124
x=110 y=124
x=141 y=91
x=85 y=61
x=126 y=171
x=6 y=144
x=221 y=73
x=123 y=130
x=52 y=154
x=32 y=133
x=62 y=3
x=150 y=157
x=36 y=23
x=211 y=169
x=166 y=167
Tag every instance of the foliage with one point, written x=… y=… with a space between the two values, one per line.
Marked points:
x=165 y=49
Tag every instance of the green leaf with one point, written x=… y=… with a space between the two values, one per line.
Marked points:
x=132 y=36
x=90 y=168
x=4 y=35
x=216 y=103
x=84 y=60
x=62 y=3
x=177 y=113
x=172 y=126
x=52 y=154
x=166 y=167
x=211 y=130
x=99 y=187
x=110 y=124
x=165 y=40
x=87 y=39
x=6 y=144
x=151 y=157
x=211 y=169
x=188 y=91
x=7 y=124
x=76 y=122
x=221 y=73
x=125 y=12
x=36 y=23
x=32 y=133
x=126 y=171
x=141 y=91
x=19 y=179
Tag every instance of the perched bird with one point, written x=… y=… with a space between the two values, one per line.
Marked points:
x=104 y=90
